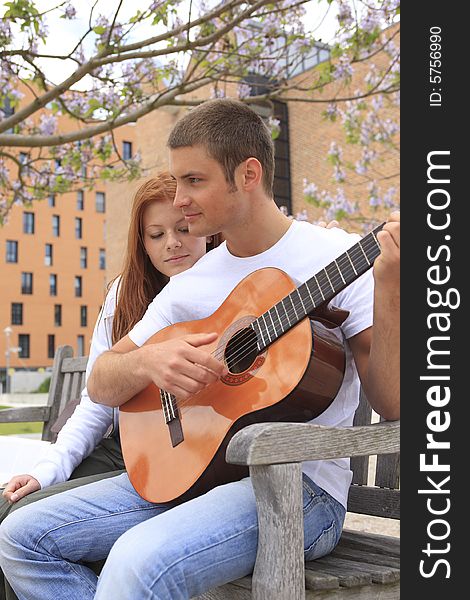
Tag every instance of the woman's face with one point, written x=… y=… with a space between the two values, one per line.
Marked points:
x=167 y=241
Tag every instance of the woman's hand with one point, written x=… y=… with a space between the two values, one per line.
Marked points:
x=20 y=486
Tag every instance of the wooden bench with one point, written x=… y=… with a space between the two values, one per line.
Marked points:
x=363 y=566
x=67 y=382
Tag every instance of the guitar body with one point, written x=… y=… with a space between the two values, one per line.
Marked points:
x=294 y=379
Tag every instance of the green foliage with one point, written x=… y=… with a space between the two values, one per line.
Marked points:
x=22 y=10
x=44 y=387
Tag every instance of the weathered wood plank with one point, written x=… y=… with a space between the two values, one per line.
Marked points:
x=373 y=591
x=278 y=491
x=347 y=576
x=378 y=573
x=370 y=542
x=267 y=443
x=366 y=557
x=320 y=581
x=72 y=365
x=367 y=592
x=388 y=471
x=55 y=391
x=24 y=414
x=75 y=387
x=376 y=502
x=360 y=464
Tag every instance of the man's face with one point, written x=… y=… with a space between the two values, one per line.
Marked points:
x=207 y=201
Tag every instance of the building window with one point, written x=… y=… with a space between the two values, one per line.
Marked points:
x=48 y=255
x=53 y=285
x=100 y=202
x=50 y=346
x=83 y=258
x=83 y=316
x=28 y=222
x=26 y=283
x=51 y=200
x=78 y=228
x=56 y=225
x=23 y=344
x=58 y=315
x=80 y=345
x=126 y=150
x=78 y=286
x=12 y=251
x=80 y=200
x=102 y=259
x=23 y=157
x=16 y=313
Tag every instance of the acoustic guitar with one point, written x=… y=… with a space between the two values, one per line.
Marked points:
x=285 y=354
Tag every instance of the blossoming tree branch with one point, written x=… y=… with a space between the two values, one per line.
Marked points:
x=125 y=62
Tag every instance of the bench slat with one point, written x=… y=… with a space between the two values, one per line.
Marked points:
x=24 y=414
x=73 y=365
x=347 y=576
x=360 y=464
x=378 y=573
x=370 y=542
x=387 y=475
x=369 y=557
x=377 y=502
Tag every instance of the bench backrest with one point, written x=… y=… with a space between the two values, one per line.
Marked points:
x=376 y=480
x=67 y=382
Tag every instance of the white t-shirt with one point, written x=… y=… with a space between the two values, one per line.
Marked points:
x=301 y=252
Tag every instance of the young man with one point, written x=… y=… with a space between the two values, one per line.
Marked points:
x=221 y=156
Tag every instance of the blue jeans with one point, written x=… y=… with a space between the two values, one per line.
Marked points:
x=155 y=551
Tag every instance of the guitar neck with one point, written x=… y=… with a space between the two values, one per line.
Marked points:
x=318 y=290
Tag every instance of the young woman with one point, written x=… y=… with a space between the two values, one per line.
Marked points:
x=87 y=448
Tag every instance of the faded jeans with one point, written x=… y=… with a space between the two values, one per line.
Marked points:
x=155 y=551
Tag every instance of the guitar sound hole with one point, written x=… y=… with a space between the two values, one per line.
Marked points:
x=241 y=351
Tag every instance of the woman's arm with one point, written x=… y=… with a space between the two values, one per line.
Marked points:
x=82 y=431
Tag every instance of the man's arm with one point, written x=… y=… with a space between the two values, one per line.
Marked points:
x=181 y=367
x=377 y=349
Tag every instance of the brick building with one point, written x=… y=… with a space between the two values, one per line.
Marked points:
x=52 y=272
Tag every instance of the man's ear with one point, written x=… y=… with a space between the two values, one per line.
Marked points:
x=252 y=174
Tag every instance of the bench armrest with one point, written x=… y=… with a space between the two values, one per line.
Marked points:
x=273 y=452
x=23 y=414
x=277 y=443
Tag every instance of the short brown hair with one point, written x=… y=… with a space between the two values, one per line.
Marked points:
x=231 y=132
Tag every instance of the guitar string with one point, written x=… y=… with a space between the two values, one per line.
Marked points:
x=252 y=346
x=334 y=280
x=241 y=351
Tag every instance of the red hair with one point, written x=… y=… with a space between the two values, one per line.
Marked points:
x=140 y=281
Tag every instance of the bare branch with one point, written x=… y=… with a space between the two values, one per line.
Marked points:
x=113 y=24
x=35 y=141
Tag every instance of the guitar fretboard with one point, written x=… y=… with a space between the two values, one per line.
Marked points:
x=318 y=290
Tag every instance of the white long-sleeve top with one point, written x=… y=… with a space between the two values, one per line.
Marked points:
x=89 y=421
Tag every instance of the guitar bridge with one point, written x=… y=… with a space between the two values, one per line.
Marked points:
x=172 y=418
